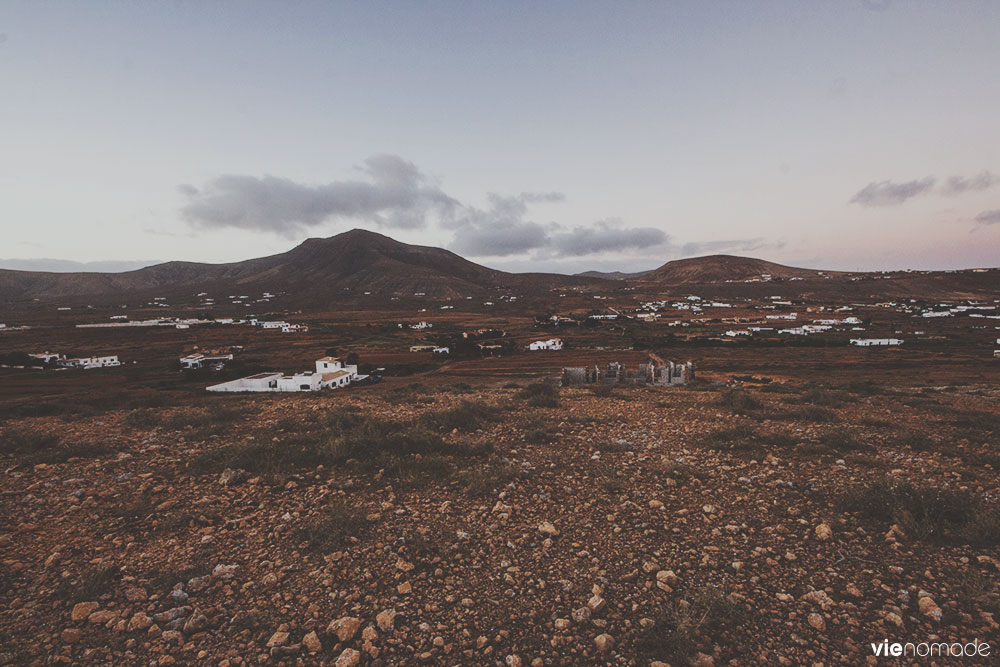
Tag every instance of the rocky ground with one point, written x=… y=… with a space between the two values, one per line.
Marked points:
x=771 y=525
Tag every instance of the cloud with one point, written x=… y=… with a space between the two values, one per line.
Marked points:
x=735 y=245
x=604 y=236
x=395 y=195
x=887 y=193
x=957 y=185
x=503 y=230
x=69 y=266
x=989 y=217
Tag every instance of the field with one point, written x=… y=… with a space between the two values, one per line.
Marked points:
x=798 y=501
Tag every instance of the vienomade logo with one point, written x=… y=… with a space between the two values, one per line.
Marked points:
x=887 y=649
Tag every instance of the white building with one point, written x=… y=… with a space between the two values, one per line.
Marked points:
x=330 y=373
x=90 y=362
x=876 y=342
x=550 y=344
x=46 y=357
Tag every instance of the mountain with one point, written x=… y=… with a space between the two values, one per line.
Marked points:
x=722 y=268
x=364 y=270
x=316 y=270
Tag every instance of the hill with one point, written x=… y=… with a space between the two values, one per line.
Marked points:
x=722 y=268
x=317 y=269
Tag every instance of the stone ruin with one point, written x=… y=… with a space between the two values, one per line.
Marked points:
x=652 y=372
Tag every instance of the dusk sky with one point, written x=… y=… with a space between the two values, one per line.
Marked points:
x=525 y=136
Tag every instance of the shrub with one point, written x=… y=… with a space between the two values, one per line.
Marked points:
x=23 y=441
x=482 y=480
x=679 y=627
x=333 y=527
x=141 y=418
x=603 y=390
x=466 y=416
x=813 y=413
x=925 y=513
x=740 y=402
x=541 y=395
x=843 y=440
x=92 y=583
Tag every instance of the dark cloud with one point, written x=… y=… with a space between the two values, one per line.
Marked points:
x=69 y=266
x=887 y=193
x=395 y=195
x=503 y=230
x=989 y=217
x=957 y=185
x=604 y=236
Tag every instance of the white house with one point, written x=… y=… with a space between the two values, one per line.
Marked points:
x=876 y=342
x=90 y=362
x=330 y=373
x=198 y=360
x=46 y=357
x=550 y=344
x=294 y=328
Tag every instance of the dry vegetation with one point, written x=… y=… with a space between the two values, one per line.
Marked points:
x=703 y=525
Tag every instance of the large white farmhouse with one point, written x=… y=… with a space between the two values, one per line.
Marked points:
x=876 y=342
x=330 y=373
x=90 y=362
x=550 y=344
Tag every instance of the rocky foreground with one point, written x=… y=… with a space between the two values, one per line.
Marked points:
x=511 y=526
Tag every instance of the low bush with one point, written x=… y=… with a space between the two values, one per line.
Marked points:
x=24 y=441
x=484 y=479
x=680 y=627
x=925 y=513
x=842 y=440
x=541 y=395
x=740 y=401
x=333 y=527
x=466 y=416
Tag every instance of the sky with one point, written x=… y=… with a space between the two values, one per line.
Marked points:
x=557 y=136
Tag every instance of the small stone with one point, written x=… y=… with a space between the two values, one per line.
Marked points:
x=817 y=622
x=703 y=660
x=348 y=658
x=929 y=608
x=82 y=610
x=71 y=635
x=279 y=638
x=604 y=642
x=824 y=532
x=101 y=617
x=562 y=623
x=894 y=618
x=655 y=505
x=196 y=623
x=581 y=615
x=345 y=628
x=139 y=621
x=546 y=528
x=312 y=643
x=404 y=588
x=513 y=660
x=386 y=619
x=230 y=477
x=596 y=603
